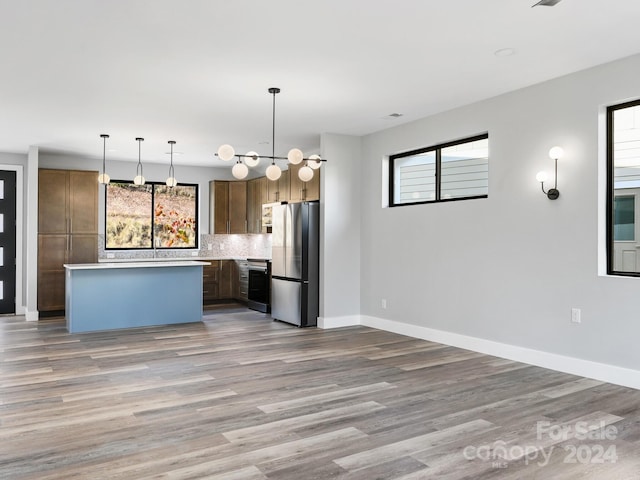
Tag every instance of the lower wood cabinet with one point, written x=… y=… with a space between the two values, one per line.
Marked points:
x=225 y=280
x=241 y=280
x=217 y=281
x=53 y=252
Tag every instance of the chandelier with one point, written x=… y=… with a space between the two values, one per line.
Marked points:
x=251 y=159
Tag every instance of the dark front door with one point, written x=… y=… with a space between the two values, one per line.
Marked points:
x=7 y=242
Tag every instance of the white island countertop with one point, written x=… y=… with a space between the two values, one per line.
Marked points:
x=134 y=264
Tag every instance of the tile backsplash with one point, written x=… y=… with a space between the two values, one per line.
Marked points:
x=211 y=246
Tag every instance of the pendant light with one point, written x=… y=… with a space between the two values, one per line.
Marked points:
x=104 y=177
x=139 y=179
x=295 y=156
x=240 y=170
x=171 y=180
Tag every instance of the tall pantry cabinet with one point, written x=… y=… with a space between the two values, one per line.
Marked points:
x=67 y=229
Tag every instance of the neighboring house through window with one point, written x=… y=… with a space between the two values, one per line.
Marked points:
x=456 y=170
x=623 y=189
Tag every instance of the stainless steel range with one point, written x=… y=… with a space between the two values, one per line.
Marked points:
x=259 y=294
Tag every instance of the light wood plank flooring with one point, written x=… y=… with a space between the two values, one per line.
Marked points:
x=240 y=396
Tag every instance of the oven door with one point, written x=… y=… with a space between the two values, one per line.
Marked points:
x=259 y=288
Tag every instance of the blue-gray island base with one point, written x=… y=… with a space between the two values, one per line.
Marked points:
x=107 y=296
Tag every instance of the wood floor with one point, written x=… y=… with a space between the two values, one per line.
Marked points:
x=242 y=397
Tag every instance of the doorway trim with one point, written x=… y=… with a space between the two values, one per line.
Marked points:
x=19 y=169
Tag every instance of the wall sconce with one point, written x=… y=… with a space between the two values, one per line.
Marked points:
x=552 y=194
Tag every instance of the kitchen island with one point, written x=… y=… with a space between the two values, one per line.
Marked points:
x=106 y=296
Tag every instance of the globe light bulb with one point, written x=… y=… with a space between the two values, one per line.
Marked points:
x=541 y=177
x=273 y=172
x=171 y=182
x=138 y=180
x=305 y=173
x=251 y=159
x=104 y=178
x=314 y=162
x=226 y=152
x=295 y=156
x=556 y=153
x=240 y=171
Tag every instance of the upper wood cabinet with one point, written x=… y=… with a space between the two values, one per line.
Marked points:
x=278 y=190
x=257 y=195
x=67 y=201
x=300 y=191
x=228 y=208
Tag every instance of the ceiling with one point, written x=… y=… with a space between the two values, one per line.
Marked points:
x=198 y=71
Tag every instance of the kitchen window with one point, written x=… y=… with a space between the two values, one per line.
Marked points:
x=456 y=170
x=150 y=216
x=623 y=189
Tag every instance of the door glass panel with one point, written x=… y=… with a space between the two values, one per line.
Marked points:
x=1 y=222
x=1 y=256
x=1 y=189
x=1 y=290
x=624 y=218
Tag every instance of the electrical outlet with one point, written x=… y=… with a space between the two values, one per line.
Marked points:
x=195 y=254
x=383 y=303
x=575 y=315
x=111 y=255
x=210 y=246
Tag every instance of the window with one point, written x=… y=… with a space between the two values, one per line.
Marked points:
x=451 y=171
x=141 y=216
x=623 y=189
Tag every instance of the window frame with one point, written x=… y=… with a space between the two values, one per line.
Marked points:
x=610 y=187
x=438 y=175
x=152 y=217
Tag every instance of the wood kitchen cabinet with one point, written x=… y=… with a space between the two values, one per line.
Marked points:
x=225 y=284
x=241 y=280
x=228 y=206
x=67 y=229
x=278 y=190
x=300 y=191
x=257 y=195
x=217 y=281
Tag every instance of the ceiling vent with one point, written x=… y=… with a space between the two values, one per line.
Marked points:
x=546 y=3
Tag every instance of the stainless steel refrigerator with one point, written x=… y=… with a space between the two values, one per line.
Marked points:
x=295 y=265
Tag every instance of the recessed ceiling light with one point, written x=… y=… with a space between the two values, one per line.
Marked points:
x=392 y=116
x=505 y=52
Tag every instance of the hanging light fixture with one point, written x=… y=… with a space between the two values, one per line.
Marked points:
x=251 y=159
x=171 y=180
x=139 y=179
x=104 y=177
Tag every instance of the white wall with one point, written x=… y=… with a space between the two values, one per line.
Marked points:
x=340 y=230
x=508 y=268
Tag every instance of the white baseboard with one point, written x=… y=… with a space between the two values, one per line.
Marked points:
x=337 y=322
x=31 y=316
x=585 y=368
x=21 y=309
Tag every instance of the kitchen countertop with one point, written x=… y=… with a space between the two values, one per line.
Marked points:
x=166 y=259
x=134 y=264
